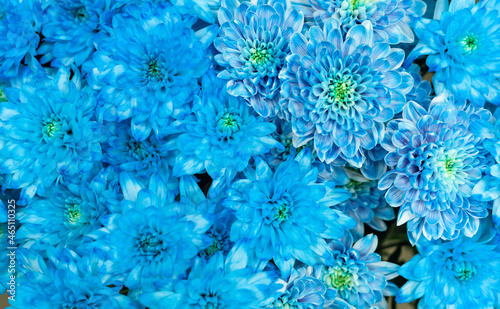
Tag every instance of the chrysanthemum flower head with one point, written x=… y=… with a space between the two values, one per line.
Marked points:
x=148 y=66
x=339 y=90
x=254 y=42
x=464 y=50
x=285 y=215
x=438 y=159
x=48 y=133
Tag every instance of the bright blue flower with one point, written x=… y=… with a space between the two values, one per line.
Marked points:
x=222 y=135
x=47 y=134
x=357 y=274
x=422 y=89
x=150 y=238
x=464 y=51
x=19 y=23
x=217 y=283
x=463 y=273
x=139 y=158
x=339 y=92
x=285 y=215
x=254 y=42
x=366 y=205
x=148 y=66
x=438 y=159
x=69 y=30
x=66 y=280
x=68 y=215
x=391 y=20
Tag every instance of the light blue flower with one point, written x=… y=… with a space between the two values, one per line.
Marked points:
x=366 y=205
x=391 y=19
x=151 y=238
x=464 y=50
x=357 y=274
x=48 y=133
x=463 y=273
x=253 y=43
x=225 y=283
x=69 y=30
x=338 y=91
x=222 y=135
x=438 y=159
x=19 y=23
x=66 y=280
x=285 y=215
x=148 y=66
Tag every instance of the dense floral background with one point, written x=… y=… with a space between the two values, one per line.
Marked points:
x=291 y=154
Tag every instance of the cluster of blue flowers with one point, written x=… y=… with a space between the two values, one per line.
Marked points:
x=230 y=154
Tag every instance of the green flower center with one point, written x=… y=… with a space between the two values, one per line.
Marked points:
x=52 y=128
x=229 y=123
x=154 y=69
x=464 y=271
x=339 y=279
x=469 y=43
x=355 y=4
x=340 y=91
x=81 y=14
x=260 y=56
x=3 y=97
x=281 y=213
x=73 y=213
x=213 y=248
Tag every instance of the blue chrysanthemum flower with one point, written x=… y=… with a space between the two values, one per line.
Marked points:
x=68 y=215
x=150 y=238
x=69 y=30
x=464 y=51
x=222 y=135
x=140 y=159
x=438 y=159
x=302 y=292
x=391 y=19
x=422 y=89
x=225 y=283
x=47 y=134
x=19 y=23
x=148 y=66
x=254 y=42
x=357 y=274
x=366 y=205
x=463 y=273
x=339 y=91
x=285 y=215
x=66 y=280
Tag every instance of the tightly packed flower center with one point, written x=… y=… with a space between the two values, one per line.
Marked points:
x=52 y=128
x=149 y=245
x=339 y=93
x=208 y=301
x=260 y=56
x=339 y=278
x=81 y=14
x=281 y=211
x=284 y=302
x=464 y=271
x=469 y=43
x=154 y=70
x=73 y=213
x=213 y=248
x=229 y=123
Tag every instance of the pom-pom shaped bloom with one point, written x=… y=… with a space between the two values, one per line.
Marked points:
x=357 y=274
x=254 y=42
x=285 y=215
x=66 y=280
x=47 y=133
x=464 y=51
x=148 y=66
x=68 y=215
x=463 y=273
x=222 y=135
x=140 y=159
x=366 y=205
x=150 y=238
x=438 y=159
x=339 y=92
x=19 y=23
x=225 y=283
x=391 y=19
x=69 y=30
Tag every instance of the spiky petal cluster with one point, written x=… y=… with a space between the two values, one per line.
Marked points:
x=356 y=274
x=463 y=273
x=438 y=159
x=285 y=215
x=464 y=51
x=148 y=66
x=254 y=42
x=391 y=20
x=48 y=133
x=339 y=91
